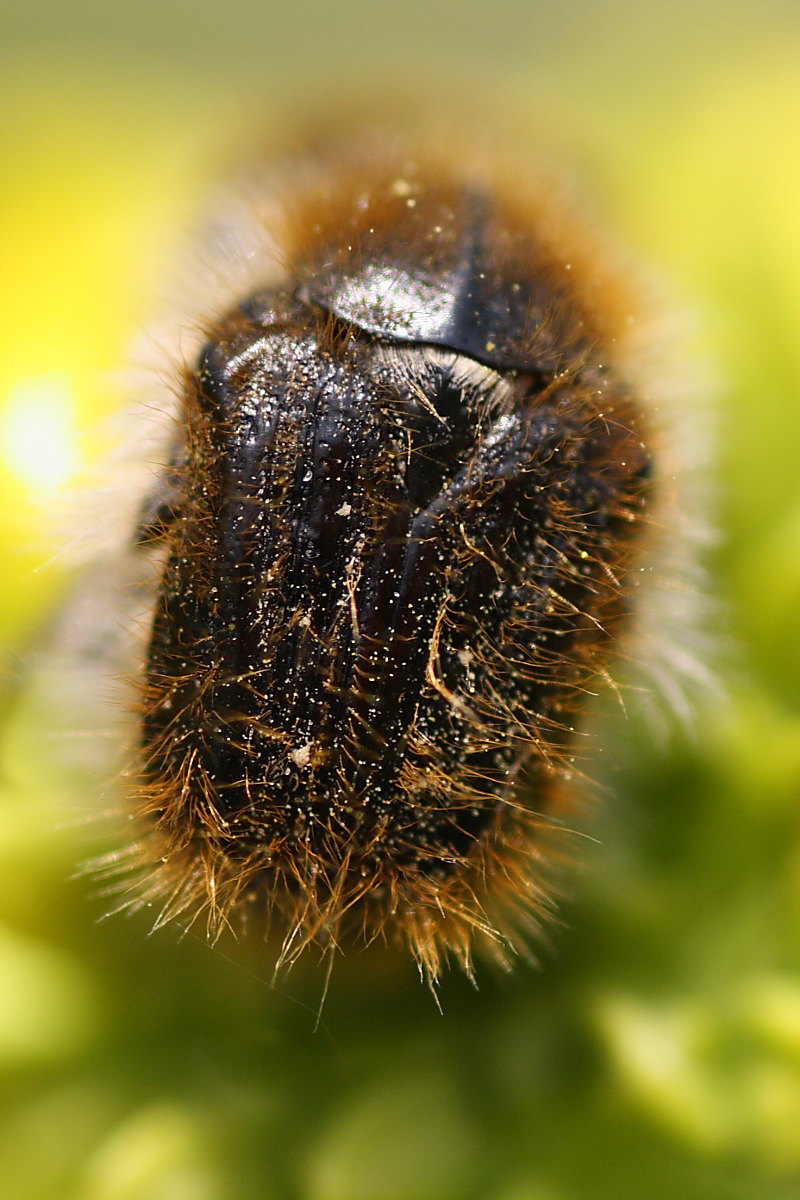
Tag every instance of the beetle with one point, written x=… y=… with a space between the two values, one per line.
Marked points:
x=406 y=504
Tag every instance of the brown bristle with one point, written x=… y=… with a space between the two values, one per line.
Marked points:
x=409 y=490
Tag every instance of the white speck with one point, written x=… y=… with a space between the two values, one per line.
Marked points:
x=301 y=757
x=344 y=510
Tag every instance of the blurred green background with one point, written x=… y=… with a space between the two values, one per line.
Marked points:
x=657 y=1051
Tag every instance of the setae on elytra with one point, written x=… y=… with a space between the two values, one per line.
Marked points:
x=410 y=498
